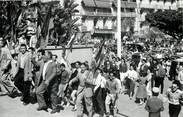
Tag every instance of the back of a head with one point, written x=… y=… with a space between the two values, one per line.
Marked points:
x=42 y=51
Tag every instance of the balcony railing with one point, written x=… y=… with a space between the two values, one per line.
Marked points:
x=97 y=14
x=131 y=14
x=123 y=14
x=126 y=4
x=105 y=31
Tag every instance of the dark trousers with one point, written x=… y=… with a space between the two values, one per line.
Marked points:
x=131 y=87
x=19 y=80
x=174 y=110
x=23 y=86
x=152 y=80
x=51 y=95
x=159 y=81
x=26 y=91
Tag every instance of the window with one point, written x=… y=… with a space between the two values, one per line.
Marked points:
x=122 y=9
x=132 y=0
x=130 y=9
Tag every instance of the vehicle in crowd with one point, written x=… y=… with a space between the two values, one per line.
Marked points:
x=140 y=47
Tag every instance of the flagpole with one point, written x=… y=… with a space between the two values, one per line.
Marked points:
x=119 y=28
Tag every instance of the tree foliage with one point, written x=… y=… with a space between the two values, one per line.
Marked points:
x=9 y=13
x=169 y=22
x=65 y=25
x=13 y=20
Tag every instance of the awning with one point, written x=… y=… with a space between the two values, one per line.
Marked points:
x=89 y=3
x=103 y=3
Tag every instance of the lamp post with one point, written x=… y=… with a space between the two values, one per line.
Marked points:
x=119 y=28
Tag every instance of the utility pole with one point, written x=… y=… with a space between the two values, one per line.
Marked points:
x=119 y=28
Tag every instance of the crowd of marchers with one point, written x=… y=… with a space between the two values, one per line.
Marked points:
x=91 y=88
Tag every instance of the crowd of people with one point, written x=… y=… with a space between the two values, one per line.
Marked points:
x=90 y=88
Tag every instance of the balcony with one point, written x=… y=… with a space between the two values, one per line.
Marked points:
x=126 y=4
x=100 y=14
x=97 y=14
x=131 y=14
x=104 y=31
x=97 y=3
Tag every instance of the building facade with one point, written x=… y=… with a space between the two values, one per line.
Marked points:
x=99 y=17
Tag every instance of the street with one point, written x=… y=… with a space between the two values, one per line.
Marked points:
x=10 y=107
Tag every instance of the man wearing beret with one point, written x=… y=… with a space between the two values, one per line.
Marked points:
x=154 y=105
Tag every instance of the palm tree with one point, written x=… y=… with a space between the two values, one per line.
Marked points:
x=65 y=26
x=9 y=13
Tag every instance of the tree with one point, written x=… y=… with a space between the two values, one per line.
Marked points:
x=57 y=23
x=65 y=25
x=153 y=33
x=14 y=18
x=169 y=22
x=9 y=13
x=50 y=19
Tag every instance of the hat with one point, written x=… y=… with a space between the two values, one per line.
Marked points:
x=155 y=89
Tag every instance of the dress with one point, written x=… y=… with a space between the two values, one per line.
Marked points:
x=141 y=90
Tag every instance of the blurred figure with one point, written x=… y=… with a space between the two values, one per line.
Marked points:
x=154 y=105
x=63 y=82
x=160 y=76
x=113 y=89
x=132 y=77
x=85 y=91
x=174 y=96
x=47 y=83
x=24 y=74
x=99 y=93
x=123 y=68
x=180 y=77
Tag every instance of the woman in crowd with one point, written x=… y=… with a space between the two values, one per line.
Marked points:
x=148 y=83
x=123 y=68
x=141 y=90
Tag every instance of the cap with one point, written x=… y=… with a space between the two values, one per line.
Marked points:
x=155 y=89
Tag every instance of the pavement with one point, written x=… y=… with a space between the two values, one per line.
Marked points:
x=12 y=107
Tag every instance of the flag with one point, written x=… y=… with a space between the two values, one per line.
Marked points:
x=44 y=30
x=100 y=55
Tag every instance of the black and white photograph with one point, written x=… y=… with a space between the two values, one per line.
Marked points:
x=91 y=58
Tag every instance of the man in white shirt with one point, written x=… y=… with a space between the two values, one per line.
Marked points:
x=24 y=74
x=132 y=77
